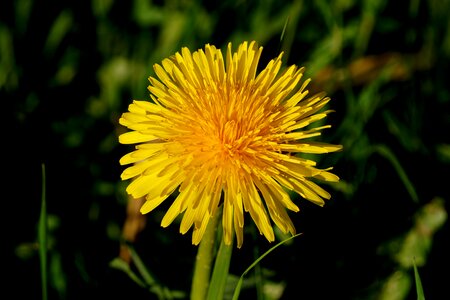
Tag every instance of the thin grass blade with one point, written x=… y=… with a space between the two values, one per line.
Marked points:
x=42 y=237
x=419 y=288
x=220 y=272
x=145 y=273
x=241 y=279
x=390 y=156
x=120 y=264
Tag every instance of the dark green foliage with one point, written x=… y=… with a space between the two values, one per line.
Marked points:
x=68 y=69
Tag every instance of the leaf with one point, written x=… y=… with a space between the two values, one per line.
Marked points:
x=148 y=280
x=120 y=264
x=220 y=272
x=42 y=237
x=241 y=279
x=419 y=288
x=387 y=153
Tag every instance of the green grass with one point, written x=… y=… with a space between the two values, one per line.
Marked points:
x=68 y=71
x=42 y=238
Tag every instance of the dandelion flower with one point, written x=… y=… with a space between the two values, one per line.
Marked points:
x=222 y=133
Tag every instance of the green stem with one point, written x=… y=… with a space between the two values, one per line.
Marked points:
x=42 y=237
x=205 y=255
x=220 y=272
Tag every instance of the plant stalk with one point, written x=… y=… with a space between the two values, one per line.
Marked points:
x=204 y=259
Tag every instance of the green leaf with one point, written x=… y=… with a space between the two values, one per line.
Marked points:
x=419 y=288
x=220 y=272
x=148 y=280
x=42 y=237
x=120 y=264
x=241 y=279
x=387 y=153
x=145 y=273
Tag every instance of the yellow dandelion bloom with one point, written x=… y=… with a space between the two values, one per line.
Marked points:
x=224 y=134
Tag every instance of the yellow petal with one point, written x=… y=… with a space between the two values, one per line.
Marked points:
x=135 y=137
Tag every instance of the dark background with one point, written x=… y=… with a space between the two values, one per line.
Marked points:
x=68 y=69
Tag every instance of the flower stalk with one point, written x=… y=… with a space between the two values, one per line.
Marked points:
x=204 y=259
x=220 y=272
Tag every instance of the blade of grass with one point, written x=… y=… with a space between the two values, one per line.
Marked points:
x=241 y=279
x=220 y=272
x=42 y=237
x=284 y=29
x=120 y=264
x=384 y=151
x=149 y=280
x=145 y=273
x=419 y=288
x=289 y=28
x=259 y=280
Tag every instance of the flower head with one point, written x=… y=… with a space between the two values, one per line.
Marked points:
x=221 y=133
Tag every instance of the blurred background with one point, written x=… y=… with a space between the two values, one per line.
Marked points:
x=68 y=69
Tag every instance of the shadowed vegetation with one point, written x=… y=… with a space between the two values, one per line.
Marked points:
x=68 y=69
